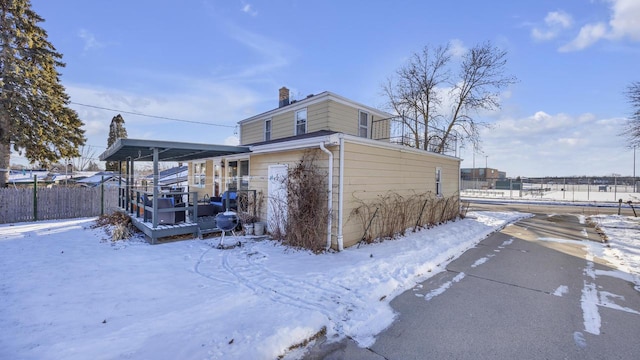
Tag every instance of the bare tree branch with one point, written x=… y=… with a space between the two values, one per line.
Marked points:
x=482 y=78
x=414 y=93
x=418 y=87
x=632 y=126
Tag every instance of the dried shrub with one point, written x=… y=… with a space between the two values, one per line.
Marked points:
x=248 y=206
x=301 y=221
x=117 y=225
x=391 y=215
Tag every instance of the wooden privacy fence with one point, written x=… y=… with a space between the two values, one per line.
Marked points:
x=31 y=204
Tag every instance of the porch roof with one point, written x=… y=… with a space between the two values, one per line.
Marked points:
x=142 y=150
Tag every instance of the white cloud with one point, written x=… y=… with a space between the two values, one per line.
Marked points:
x=555 y=22
x=558 y=18
x=625 y=20
x=90 y=41
x=232 y=140
x=589 y=34
x=623 y=24
x=248 y=9
x=197 y=100
x=554 y=145
x=274 y=54
x=457 y=48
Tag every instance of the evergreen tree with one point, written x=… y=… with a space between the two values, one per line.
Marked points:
x=116 y=131
x=34 y=113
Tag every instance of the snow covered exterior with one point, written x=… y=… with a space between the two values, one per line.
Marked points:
x=359 y=167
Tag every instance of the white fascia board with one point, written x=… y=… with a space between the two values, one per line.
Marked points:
x=329 y=140
x=386 y=145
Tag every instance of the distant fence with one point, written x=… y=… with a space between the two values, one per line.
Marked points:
x=31 y=204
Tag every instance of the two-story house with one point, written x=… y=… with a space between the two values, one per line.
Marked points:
x=360 y=162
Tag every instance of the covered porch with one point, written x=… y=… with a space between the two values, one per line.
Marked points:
x=159 y=211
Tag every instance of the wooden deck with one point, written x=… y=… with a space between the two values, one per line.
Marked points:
x=204 y=225
x=165 y=230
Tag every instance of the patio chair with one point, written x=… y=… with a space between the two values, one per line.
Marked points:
x=228 y=201
x=170 y=218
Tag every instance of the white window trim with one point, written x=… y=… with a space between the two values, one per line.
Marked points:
x=439 y=182
x=265 y=129
x=198 y=175
x=367 y=127
x=295 y=121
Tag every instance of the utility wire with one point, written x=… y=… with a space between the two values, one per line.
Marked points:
x=152 y=116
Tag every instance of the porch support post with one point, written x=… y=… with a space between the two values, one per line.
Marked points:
x=120 y=194
x=155 y=190
x=127 y=205
x=133 y=184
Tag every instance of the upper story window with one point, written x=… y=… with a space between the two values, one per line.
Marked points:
x=267 y=130
x=301 y=122
x=363 y=124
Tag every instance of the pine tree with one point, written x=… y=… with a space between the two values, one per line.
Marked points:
x=34 y=113
x=116 y=131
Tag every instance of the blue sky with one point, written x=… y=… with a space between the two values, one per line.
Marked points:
x=222 y=61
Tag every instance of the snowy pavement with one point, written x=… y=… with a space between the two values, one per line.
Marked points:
x=66 y=293
x=543 y=288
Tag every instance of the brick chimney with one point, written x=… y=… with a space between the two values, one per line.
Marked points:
x=283 y=97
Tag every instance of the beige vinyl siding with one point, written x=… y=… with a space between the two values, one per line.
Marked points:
x=325 y=115
x=283 y=125
x=252 y=132
x=317 y=117
x=371 y=171
x=259 y=170
x=343 y=118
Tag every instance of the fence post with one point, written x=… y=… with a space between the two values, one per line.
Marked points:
x=35 y=197
x=619 y=206
x=102 y=196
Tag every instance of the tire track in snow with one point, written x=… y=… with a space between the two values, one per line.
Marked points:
x=336 y=302
x=199 y=263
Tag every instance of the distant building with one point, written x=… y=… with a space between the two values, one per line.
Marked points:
x=486 y=175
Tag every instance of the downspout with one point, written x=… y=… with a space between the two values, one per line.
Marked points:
x=330 y=201
x=341 y=195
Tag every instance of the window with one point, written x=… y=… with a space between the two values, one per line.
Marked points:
x=244 y=174
x=267 y=130
x=438 y=181
x=363 y=124
x=237 y=175
x=301 y=122
x=199 y=174
x=232 y=176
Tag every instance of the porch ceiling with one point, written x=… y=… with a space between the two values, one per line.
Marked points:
x=142 y=150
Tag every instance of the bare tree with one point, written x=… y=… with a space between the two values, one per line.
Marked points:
x=420 y=93
x=482 y=78
x=632 y=126
x=414 y=92
x=87 y=155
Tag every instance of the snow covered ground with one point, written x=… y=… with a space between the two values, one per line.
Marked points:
x=67 y=293
x=557 y=196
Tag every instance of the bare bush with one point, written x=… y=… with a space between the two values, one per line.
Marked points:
x=249 y=205
x=278 y=217
x=117 y=224
x=391 y=215
x=308 y=212
x=301 y=220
